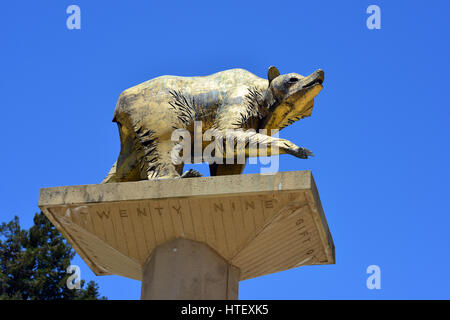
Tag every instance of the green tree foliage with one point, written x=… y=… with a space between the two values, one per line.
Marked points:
x=33 y=263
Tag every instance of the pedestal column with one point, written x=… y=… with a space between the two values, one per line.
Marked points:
x=183 y=269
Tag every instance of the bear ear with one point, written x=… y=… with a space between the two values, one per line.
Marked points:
x=272 y=73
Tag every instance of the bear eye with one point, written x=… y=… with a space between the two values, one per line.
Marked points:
x=293 y=80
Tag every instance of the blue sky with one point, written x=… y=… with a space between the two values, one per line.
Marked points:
x=380 y=127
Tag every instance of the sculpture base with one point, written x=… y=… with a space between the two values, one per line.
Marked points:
x=259 y=224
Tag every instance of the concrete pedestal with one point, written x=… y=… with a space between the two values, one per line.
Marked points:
x=257 y=224
x=188 y=270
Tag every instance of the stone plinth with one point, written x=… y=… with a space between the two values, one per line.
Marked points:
x=183 y=269
x=259 y=224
